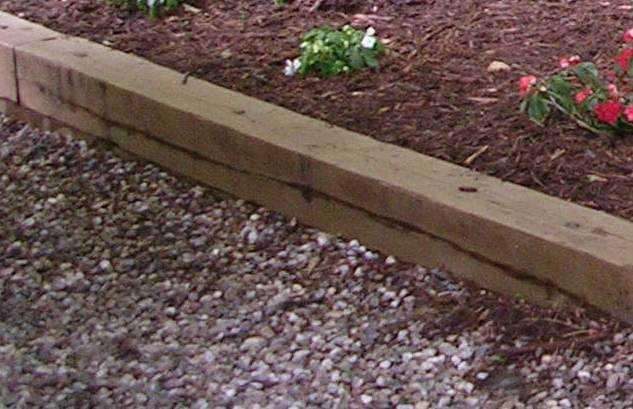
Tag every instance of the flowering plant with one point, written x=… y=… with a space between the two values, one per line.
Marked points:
x=602 y=105
x=330 y=52
x=152 y=7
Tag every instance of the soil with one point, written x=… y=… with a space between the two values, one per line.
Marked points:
x=432 y=93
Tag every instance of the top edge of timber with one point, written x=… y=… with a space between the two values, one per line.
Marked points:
x=15 y=31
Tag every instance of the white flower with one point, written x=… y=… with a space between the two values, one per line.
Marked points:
x=292 y=67
x=289 y=69
x=368 y=41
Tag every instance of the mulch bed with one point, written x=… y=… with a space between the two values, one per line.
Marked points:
x=432 y=93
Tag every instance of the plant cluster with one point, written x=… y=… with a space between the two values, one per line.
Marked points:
x=600 y=104
x=152 y=7
x=330 y=52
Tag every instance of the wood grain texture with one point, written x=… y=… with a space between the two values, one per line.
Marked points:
x=13 y=32
x=334 y=216
x=530 y=237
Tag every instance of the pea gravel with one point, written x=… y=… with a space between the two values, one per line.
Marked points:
x=123 y=286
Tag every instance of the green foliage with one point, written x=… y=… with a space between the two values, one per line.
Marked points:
x=152 y=7
x=330 y=52
x=579 y=92
x=588 y=74
x=536 y=107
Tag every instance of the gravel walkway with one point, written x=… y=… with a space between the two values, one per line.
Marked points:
x=121 y=286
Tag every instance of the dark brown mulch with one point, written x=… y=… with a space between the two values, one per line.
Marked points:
x=422 y=96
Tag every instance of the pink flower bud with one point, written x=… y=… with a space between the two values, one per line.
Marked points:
x=569 y=62
x=581 y=96
x=525 y=83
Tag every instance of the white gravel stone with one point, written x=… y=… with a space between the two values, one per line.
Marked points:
x=105 y=265
x=253 y=343
x=171 y=311
x=366 y=399
x=584 y=376
x=472 y=402
x=565 y=403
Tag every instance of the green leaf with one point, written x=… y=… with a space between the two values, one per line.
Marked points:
x=594 y=99
x=355 y=58
x=588 y=74
x=562 y=91
x=559 y=85
x=370 y=61
x=538 y=108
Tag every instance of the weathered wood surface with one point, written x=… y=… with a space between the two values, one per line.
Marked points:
x=501 y=236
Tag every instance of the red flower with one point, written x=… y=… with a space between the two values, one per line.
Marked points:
x=628 y=113
x=608 y=112
x=525 y=83
x=624 y=59
x=569 y=62
x=613 y=91
x=581 y=96
x=628 y=36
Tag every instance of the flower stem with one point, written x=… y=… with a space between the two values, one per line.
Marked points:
x=578 y=121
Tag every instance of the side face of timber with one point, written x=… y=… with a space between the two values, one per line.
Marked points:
x=496 y=234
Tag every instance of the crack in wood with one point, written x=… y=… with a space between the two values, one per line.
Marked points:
x=308 y=193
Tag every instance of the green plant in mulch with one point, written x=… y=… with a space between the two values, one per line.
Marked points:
x=152 y=7
x=601 y=104
x=330 y=52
